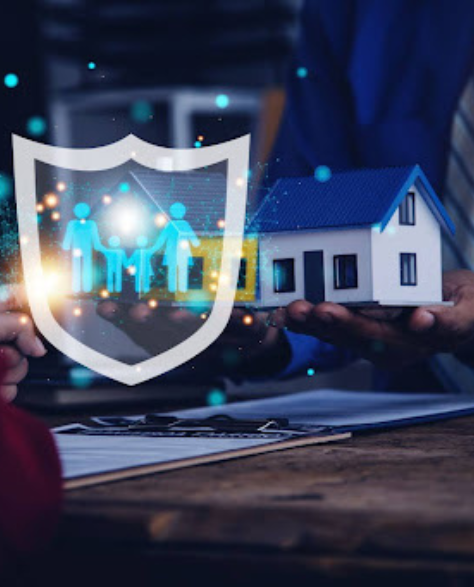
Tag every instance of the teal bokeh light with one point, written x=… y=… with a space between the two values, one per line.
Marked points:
x=302 y=72
x=6 y=186
x=216 y=397
x=197 y=144
x=322 y=173
x=141 y=111
x=36 y=126
x=11 y=80
x=80 y=377
x=222 y=101
x=310 y=372
x=124 y=187
x=91 y=65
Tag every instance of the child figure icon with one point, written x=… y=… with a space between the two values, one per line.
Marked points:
x=116 y=260
x=141 y=262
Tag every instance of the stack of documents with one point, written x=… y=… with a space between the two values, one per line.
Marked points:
x=110 y=449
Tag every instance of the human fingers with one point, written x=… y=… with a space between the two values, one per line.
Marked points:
x=13 y=298
x=8 y=392
x=18 y=329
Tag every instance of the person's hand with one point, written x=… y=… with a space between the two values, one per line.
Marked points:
x=394 y=343
x=18 y=339
x=249 y=346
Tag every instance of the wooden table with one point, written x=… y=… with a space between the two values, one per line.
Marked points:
x=380 y=508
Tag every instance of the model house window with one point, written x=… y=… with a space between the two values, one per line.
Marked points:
x=242 y=280
x=283 y=275
x=407 y=269
x=407 y=210
x=196 y=272
x=345 y=271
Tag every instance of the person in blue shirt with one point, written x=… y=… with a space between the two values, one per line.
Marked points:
x=371 y=84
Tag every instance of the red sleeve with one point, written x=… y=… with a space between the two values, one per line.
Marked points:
x=30 y=484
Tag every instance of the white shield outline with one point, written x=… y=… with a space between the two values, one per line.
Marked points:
x=27 y=152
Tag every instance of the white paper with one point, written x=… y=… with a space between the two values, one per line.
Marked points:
x=87 y=455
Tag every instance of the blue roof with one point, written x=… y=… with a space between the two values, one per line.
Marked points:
x=349 y=199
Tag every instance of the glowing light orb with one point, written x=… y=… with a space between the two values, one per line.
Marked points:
x=5 y=186
x=91 y=65
x=239 y=182
x=214 y=274
x=104 y=293
x=221 y=223
x=107 y=199
x=322 y=173
x=36 y=126
x=213 y=287
x=247 y=319
x=24 y=240
x=128 y=218
x=197 y=144
x=56 y=216
x=124 y=187
x=222 y=101
x=39 y=208
x=141 y=111
x=131 y=270
x=310 y=372
x=302 y=72
x=200 y=138
x=23 y=320
x=81 y=377
x=77 y=312
x=77 y=253
x=153 y=303
x=160 y=220
x=51 y=200
x=11 y=80
x=61 y=186
x=216 y=397
x=184 y=244
x=203 y=316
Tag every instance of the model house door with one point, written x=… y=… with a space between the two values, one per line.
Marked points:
x=314 y=276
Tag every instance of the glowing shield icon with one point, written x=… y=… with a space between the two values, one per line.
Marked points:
x=28 y=154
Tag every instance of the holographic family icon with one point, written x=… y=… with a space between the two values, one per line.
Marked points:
x=177 y=239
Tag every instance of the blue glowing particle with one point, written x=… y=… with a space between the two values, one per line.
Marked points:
x=11 y=80
x=81 y=377
x=310 y=372
x=91 y=65
x=5 y=186
x=124 y=187
x=197 y=144
x=36 y=126
x=216 y=397
x=141 y=111
x=301 y=72
x=322 y=173
x=222 y=101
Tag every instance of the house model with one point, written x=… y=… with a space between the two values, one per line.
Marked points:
x=364 y=237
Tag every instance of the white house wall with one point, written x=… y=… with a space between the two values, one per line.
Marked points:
x=333 y=242
x=424 y=239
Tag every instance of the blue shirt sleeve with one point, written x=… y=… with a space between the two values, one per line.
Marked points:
x=308 y=352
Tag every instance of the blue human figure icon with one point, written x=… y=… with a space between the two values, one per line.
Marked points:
x=177 y=238
x=82 y=238
x=116 y=260
x=141 y=261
